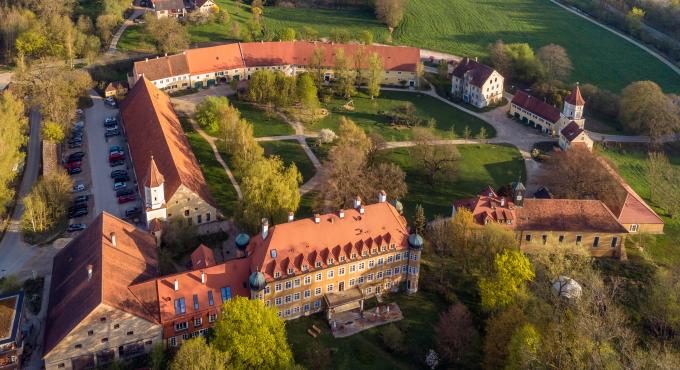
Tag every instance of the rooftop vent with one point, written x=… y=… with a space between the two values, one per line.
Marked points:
x=112 y=236
x=176 y=285
x=89 y=272
x=317 y=218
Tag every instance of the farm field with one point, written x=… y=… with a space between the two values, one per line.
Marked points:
x=290 y=151
x=367 y=115
x=478 y=166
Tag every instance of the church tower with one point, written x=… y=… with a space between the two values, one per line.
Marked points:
x=573 y=107
x=154 y=194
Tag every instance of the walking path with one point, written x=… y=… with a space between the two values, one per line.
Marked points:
x=113 y=47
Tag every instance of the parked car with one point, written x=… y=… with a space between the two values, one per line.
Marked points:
x=76 y=227
x=77 y=213
x=75 y=145
x=76 y=207
x=132 y=212
x=75 y=140
x=116 y=149
x=68 y=166
x=117 y=162
x=112 y=133
x=117 y=173
x=110 y=102
x=74 y=170
x=121 y=178
x=81 y=199
x=79 y=125
x=119 y=185
x=76 y=156
x=110 y=119
x=126 y=199
x=125 y=191
x=77 y=188
x=113 y=127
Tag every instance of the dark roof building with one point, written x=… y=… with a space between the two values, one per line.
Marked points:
x=536 y=106
x=479 y=72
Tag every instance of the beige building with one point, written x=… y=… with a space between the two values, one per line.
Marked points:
x=168 y=8
x=476 y=83
x=94 y=316
x=170 y=180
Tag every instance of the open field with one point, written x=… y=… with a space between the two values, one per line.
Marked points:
x=479 y=165
x=262 y=124
x=290 y=151
x=134 y=39
x=366 y=114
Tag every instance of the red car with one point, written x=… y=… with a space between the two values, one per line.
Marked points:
x=126 y=198
x=68 y=166
x=116 y=156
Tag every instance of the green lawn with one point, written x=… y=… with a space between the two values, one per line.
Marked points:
x=291 y=152
x=479 y=165
x=263 y=125
x=366 y=350
x=218 y=181
x=134 y=39
x=366 y=114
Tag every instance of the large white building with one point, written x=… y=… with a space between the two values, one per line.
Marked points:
x=476 y=83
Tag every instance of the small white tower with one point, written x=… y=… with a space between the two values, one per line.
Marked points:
x=573 y=105
x=154 y=194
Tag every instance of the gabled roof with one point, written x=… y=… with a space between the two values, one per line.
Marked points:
x=332 y=237
x=73 y=295
x=202 y=257
x=168 y=4
x=153 y=129
x=214 y=58
x=585 y=215
x=480 y=72
x=492 y=208
x=162 y=67
x=575 y=97
x=536 y=106
x=571 y=131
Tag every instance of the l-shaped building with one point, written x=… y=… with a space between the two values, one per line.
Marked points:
x=203 y=67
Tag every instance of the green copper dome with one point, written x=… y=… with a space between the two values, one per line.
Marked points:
x=257 y=281
x=398 y=206
x=242 y=241
x=415 y=241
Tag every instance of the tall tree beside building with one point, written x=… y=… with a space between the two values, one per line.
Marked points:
x=456 y=334
x=556 y=62
x=345 y=76
x=252 y=346
x=209 y=111
x=316 y=66
x=167 y=34
x=197 y=354
x=390 y=12
x=419 y=220
x=507 y=283
x=433 y=159
x=645 y=109
x=13 y=127
x=374 y=74
x=46 y=204
x=525 y=65
x=261 y=86
x=500 y=59
x=307 y=93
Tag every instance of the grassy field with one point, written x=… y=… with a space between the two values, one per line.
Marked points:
x=366 y=350
x=262 y=124
x=134 y=39
x=291 y=152
x=366 y=114
x=479 y=165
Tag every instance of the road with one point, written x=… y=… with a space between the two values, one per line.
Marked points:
x=98 y=152
x=113 y=47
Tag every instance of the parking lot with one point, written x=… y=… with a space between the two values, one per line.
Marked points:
x=96 y=169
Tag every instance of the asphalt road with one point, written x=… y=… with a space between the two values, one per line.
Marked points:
x=101 y=187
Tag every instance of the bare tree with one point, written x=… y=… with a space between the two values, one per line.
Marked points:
x=390 y=12
x=556 y=62
x=455 y=333
x=646 y=110
x=433 y=158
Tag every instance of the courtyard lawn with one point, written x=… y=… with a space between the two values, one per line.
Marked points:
x=218 y=182
x=366 y=115
x=366 y=350
x=479 y=166
x=291 y=151
x=134 y=38
x=263 y=125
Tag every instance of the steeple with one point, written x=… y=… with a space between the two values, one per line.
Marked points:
x=575 y=97
x=154 y=191
x=573 y=105
x=154 y=178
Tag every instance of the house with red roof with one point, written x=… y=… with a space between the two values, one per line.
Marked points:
x=476 y=83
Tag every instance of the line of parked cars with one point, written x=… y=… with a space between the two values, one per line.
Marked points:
x=111 y=125
x=73 y=165
x=120 y=177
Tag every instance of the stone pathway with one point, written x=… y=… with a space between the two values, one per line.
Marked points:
x=113 y=47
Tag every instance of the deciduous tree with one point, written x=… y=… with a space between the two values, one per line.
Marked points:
x=500 y=330
x=52 y=131
x=197 y=354
x=13 y=127
x=209 y=112
x=455 y=333
x=390 y=12
x=434 y=159
x=512 y=269
x=46 y=204
x=555 y=61
x=345 y=76
x=646 y=110
x=419 y=220
x=664 y=183
x=374 y=74
x=500 y=58
x=307 y=93
x=167 y=34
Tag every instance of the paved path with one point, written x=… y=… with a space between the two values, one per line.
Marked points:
x=663 y=60
x=113 y=47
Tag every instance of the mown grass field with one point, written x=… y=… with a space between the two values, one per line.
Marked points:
x=134 y=39
x=478 y=166
x=367 y=115
x=263 y=125
x=291 y=151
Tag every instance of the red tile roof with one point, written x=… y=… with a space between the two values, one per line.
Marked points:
x=114 y=268
x=202 y=257
x=575 y=97
x=571 y=131
x=490 y=209
x=303 y=242
x=480 y=72
x=536 y=106
x=154 y=178
x=215 y=58
x=586 y=215
x=162 y=67
x=153 y=129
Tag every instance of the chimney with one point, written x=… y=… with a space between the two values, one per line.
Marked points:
x=89 y=272
x=502 y=201
x=291 y=216
x=265 y=228
x=357 y=202
x=176 y=285
x=317 y=218
x=166 y=54
x=112 y=236
x=341 y=214
x=382 y=196
x=146 y=59
x=475 y=59
x=361 y=210
x=156 y=56
x=202 y=277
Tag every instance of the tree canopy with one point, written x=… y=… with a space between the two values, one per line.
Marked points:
x=512 y=269
x=197 y=354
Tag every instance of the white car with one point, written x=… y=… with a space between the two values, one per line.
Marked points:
x=119 y=185
x=77 y=188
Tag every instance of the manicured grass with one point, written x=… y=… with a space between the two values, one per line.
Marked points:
x=321 y=151
x=290 y=151
x=307 y=205
x=366 y=114
x=366 y=350
x=263 y=125
x=134 y=39
x=218 y=181
x=479 y=165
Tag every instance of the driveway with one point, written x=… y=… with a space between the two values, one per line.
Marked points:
x=98 y=153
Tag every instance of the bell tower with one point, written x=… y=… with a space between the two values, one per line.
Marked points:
x=573 y=106
x=154 y=194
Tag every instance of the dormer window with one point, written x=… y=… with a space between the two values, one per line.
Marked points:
x=277 y=275
x=374 y=250
x=330 y=261
x=383 y=248
x=318 y=265
x=393 y=246
x=364 y=253
x=353 y=256
x=290 y=272
x=342 y=258
x=305 y=267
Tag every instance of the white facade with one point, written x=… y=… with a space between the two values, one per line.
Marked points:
x=491 y=91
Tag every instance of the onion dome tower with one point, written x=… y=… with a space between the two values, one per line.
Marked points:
x=415 y=244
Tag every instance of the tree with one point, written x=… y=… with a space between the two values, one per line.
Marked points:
x=466 y=133
x=15 y=21
x=523 y=348
x=664 y=181
x=455 y=333
x=316 y=66
x=500 y=330
x=235 y=30
x=345 y=76
x=376 y=143
x=209 y=112
x=390 y=12
x=481 y=135
x=419 y=220
x=53 y=132
x=106 y=24
x=634 y=20
x=157 y=360
x=433 y=159
x=261 y=346
x=646 y=110
x=525 y=66
x=340 y=35
x=179 y=236
x=309 y=33
x=366 y=37
x=13 y=127
x=222 y=16
x=167 y=34
x=556 y=62
x=196 y=354
x=261 y=86
x=374 y=74
x=512 y=269
x=307 y=93
x=500 y=58
x=287 y=34
x=285 y=87
x=46 y=204
x=270 y=190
